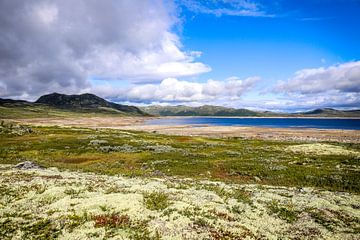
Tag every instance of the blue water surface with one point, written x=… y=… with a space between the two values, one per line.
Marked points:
x=320 y=123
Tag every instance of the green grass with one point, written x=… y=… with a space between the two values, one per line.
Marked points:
x=132 y=153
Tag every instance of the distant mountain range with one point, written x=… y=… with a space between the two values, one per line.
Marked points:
x=209 y=110
x=333 y=112
x=57 y=104
x=206 y=110
x=84 y=103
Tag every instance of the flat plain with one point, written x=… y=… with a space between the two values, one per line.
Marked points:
x=115 y=178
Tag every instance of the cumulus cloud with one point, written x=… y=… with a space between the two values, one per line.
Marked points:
x=226 y=7
x=341 y=78
x=334 y=86
x=309 y=102
x=58 y=45
x=175 y=91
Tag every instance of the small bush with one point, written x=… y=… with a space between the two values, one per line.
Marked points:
x=156 y=201
x=113 y=220
x=283 y=213
x=242 y=196
x=42 y=229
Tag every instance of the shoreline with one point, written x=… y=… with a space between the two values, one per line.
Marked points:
x=247 y=132
x=275 y=117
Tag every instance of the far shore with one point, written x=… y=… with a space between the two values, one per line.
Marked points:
x=310 y=117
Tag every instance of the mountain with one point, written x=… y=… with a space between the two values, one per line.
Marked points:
x=206 y=110
x=330 y=112
x=209 y=110
x=85 y=102
x=60 y=105
x=11 y=102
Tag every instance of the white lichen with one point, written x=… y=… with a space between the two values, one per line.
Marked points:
x=201 y=210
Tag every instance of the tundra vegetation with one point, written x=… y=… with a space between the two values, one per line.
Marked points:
x=115 y=184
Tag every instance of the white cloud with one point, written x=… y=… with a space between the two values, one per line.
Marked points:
x=308 y=102
x=226 y=7
x=174 y=90
x=334 y=86
x=339 y=78
x=57 y=45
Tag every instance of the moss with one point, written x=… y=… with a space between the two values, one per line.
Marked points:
x=75 y=220
x=330 y=219
x=7 y=228
x=284 y=213
x=156 y=201
x=242 y=196
x=41 y=229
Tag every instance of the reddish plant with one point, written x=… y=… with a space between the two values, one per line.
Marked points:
x=112 y=220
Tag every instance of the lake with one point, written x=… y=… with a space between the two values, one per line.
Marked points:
x=320 y=123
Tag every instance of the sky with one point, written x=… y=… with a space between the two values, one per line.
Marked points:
x=281 y=55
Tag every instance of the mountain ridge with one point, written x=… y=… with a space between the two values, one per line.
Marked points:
x=205 y=110
x=90 y=103
x=57 y=102
x=210 y=110
x=86 y=101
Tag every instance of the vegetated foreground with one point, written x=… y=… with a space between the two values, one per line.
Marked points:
x=175 y=186
x=48 y=204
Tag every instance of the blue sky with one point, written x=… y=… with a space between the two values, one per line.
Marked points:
x=281 y=55
x=301 y=34
x=291 y=36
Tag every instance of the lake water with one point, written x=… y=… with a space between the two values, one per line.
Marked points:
x=320 y=123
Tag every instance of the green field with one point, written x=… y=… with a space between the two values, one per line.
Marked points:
x=114 y=184
x=332 y=166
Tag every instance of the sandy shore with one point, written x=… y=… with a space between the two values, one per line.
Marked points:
x=254 y=132
x=137 y=123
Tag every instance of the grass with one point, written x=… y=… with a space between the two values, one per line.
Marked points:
x=132 y=153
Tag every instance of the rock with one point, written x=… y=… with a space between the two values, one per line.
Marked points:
x=158 y=173
x=97 y=142
x=27 y=165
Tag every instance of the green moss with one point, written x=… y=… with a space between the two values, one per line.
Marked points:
x=74 y=220
x=7 y=228
x=284 y=213
x=156 y=201
x=331 y=219
x=242 y=196
x=41 y=229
